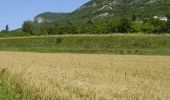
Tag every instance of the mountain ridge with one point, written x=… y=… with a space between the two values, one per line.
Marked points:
x=115 y=9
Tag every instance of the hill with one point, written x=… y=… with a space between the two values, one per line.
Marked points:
x=118 y=8
x=103 y=17
x=98 y=9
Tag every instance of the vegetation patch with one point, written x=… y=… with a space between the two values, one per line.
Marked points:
x=114 y=44
x=3 y=94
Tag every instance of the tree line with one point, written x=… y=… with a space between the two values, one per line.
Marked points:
x=123 y=25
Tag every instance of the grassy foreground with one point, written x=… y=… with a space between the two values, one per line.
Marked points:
x=48 y=76
x=3 y=94
x=115 y=44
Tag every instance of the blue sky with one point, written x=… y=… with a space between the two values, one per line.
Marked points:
x=14 y=12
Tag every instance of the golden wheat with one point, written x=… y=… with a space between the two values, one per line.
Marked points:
x=89 y=76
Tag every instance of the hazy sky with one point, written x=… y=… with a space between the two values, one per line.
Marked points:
x=14 y=12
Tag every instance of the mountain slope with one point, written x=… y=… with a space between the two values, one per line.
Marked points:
x=98 y=9
x=119 y=8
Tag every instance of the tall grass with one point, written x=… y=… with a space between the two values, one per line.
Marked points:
x=114 y=44
x=14 y=34
x=41 y=76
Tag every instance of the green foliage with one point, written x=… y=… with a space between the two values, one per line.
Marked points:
x=119 y=25
x=125 y=25
x=7 y=28
x=13 y=34
x=112 y=27
x=147 y=27
x=137 y=26
x=3 y=94
x=29 y=27
x=168 y=26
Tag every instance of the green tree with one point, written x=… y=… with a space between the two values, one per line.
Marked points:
x=125 y=25
x=89 y=26
x=100 y=29
x=29 y=27
x=148 y=27
x=134 y=17
x=7 y=28
x=136 y=26
x=81 y=28
x=161 y=27
x=112 y=26
x=43 y=30
x=168 y=26
x=70 y=28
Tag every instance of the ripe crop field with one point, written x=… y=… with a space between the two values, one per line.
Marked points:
x=43 y=76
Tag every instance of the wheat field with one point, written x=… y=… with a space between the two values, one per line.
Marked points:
x=52 y=76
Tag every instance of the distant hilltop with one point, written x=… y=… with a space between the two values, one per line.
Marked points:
x=106 y=9
x=49 y=17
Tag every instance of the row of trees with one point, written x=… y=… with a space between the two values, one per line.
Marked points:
x=123 y=25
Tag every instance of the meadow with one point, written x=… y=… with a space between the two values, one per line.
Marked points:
x=106 y=44
x=64 y=76
x=88 y=67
